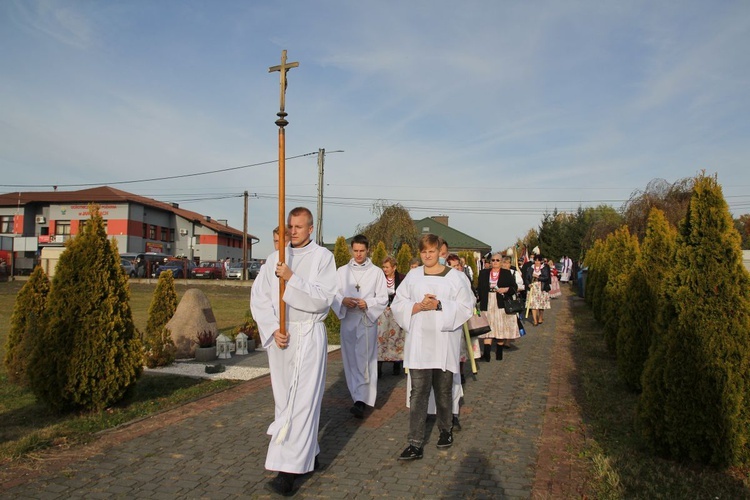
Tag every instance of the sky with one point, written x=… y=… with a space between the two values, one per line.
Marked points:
x=490 y=112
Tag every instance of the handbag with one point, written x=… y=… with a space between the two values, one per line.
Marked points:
x=513 y=305
x=478 y=324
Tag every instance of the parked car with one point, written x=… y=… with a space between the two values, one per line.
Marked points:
x=128 y=267
x=209 y=269
x=146 y=262
x=181 y=268
x=253 y=270
x=235 y=271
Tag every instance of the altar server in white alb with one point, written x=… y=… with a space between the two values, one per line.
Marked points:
x=297 y=358
x=432 y=304
x=361 y=298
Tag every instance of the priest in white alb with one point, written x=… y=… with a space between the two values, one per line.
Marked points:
x=361 y=298
x=297 y=358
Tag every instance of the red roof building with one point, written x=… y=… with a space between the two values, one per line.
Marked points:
x=35 y=220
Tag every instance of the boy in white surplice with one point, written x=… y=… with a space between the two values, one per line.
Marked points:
x=432 y=304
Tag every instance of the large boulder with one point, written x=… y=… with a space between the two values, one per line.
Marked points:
x=193 y=315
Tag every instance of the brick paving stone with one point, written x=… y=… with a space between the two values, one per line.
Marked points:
x=220 y=452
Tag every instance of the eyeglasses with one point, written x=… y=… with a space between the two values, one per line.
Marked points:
x=495 y=260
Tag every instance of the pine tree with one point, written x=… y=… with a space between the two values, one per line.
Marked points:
x=696 y=383
x=341 y=253
x=379 y=254
x=644 y=298
x=404 y=258
x=27 y=319
x=159 y=349
x=91 y=353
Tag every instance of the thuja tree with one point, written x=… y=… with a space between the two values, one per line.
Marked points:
x=404 y=258
x=159 y=349
x=26 y=322
x=379 y=254
x=622 y=254
x=91 y=353
x=696 y=383
x=341 y=252
x=471 y=262
x=644 y=298
x=596 y=277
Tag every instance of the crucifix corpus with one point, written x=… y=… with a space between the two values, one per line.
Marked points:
x=281 y=123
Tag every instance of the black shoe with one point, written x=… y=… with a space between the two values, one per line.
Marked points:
x=487 y=352
x=316 y=465
x=283 y=484
x=446 y=439
x=499 y=352
x=456 y=424
x=358 y=409
x=412 y=453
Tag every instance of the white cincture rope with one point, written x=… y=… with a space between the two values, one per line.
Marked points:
x=295 y=380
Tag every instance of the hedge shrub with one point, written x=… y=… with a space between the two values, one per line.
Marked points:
x=696 y=384
x=27 y=320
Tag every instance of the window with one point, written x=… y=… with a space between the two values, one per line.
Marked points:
x=164 y=234
x=6 y=224
x=171 y=235
x=62 y=227
x=145 y=230
x=152 y=232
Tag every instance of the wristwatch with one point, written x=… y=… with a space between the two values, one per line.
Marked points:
x=439 y=306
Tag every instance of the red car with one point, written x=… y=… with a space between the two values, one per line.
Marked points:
x=209 y=269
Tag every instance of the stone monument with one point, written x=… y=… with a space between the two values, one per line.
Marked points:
x=193 y=315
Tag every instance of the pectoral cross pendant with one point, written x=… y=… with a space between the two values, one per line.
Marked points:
x=357 y=287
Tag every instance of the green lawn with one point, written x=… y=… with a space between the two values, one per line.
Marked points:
x=26 y=426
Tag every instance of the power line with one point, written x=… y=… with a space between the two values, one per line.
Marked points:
x=169 y=177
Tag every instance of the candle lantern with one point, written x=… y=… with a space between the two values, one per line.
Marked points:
x=223 y=345
x=241 y=341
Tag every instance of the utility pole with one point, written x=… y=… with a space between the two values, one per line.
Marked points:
x=319 y=225
x=244 y=241
x=321 y=163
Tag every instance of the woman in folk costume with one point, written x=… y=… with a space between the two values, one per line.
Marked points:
x=554 y=283
x=390 y=335
x=494 y=285
x=537 y=298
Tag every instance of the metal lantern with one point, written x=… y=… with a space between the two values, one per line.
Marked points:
x=241 y=341
x=223 y=345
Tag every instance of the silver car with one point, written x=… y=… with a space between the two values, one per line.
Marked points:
x=235 y=271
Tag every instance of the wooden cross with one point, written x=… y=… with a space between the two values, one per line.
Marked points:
x=283 y=68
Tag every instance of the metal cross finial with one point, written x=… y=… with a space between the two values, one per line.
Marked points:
x=283 y=68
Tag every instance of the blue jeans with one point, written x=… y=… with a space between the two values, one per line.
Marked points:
x=421 y=383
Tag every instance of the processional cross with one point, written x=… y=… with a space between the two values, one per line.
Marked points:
x=283 y=68
x=281 y=123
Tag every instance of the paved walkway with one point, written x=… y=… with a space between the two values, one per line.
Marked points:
x=215 y=448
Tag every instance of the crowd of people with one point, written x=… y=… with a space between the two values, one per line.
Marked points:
x=416 y=322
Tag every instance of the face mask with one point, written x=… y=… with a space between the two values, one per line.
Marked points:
x=441 y=260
